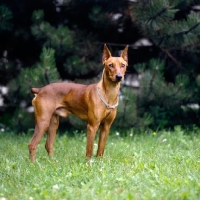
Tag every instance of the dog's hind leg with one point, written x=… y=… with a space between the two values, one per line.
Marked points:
x=51 y=134
x=43 y=114
x=40 y=128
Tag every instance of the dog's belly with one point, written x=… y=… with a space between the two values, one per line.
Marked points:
x=64 y=112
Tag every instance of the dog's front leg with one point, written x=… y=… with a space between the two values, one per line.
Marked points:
x=91 y=132
x=104 y=131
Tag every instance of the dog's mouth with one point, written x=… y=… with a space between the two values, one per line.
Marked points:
x=116 y=80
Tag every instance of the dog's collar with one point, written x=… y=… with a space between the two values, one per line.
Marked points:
x=104 y=101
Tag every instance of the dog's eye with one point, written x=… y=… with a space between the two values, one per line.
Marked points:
x=123 y=65
x=110 y=65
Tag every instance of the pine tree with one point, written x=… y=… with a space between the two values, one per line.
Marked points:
x=39 y=75
x=56 y=42
x=169 y=85
x=5 y=17
x=71 y=31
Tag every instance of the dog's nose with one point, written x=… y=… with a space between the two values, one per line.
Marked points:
x=118 y=77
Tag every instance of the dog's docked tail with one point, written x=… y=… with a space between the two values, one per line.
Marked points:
x=35 y=90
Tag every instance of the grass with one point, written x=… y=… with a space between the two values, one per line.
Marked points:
x=146 y=166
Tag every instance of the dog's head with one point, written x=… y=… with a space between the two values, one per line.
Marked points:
x=115 y=67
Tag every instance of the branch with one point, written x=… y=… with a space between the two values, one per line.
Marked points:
x=192 y=28
x=172 y=58
x=159 y=13
x=185 y=47
x=46 y=76
x=151 y=83
x=180 y=33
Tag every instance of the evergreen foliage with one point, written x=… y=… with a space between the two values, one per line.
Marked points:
x=168 y=85
x=58 y=38
x=5 y=18
x=48 y=41
x=39 y=75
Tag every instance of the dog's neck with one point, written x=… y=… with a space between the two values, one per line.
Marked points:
x=109 y=89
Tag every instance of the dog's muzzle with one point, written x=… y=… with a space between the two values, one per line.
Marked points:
x=118 y=77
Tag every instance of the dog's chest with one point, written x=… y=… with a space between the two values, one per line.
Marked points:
x=108 y=114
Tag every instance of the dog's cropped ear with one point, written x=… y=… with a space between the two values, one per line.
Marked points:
x=106 y=54
x=124 y=54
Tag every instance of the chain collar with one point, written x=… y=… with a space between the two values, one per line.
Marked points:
x=104 y=101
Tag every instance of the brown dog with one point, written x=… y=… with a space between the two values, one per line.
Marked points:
x=95 y=103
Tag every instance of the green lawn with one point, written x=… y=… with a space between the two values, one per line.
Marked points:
x=165 y=165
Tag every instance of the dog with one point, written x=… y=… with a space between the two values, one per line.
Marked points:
x=95 y=103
